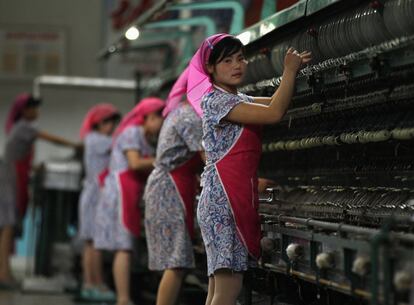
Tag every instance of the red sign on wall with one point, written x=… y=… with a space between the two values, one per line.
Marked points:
x=28 y=53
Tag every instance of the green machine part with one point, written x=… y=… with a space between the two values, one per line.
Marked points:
x=237 y=23
x=269 y=8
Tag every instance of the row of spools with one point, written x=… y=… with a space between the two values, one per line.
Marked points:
x=355 y=30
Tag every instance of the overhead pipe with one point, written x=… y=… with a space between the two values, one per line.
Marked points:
x=236 y=25
x=145 y=17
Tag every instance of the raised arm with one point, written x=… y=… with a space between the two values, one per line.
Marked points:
x=56 y=139
x=259 y=112
x=263 y=100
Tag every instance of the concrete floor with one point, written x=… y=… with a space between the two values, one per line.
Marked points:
x=17 y=298
x=193 y=294
x=20 y=267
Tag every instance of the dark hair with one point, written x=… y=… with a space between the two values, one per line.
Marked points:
x=158 y=113
x=115 y=118
x=33 y=102
x=224 y=48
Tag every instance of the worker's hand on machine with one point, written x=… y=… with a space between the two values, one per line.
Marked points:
x=294 y=60
x=264 y=183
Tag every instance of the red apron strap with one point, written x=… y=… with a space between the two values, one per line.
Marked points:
x=102 y=176
x=185 y=179
x=22 y=168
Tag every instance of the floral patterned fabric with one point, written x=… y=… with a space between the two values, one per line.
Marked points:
x=96 y=159
x=110 y=233
x=168 y=240
x=223 y=245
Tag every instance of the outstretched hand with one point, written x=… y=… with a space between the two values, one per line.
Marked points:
x=294 y=60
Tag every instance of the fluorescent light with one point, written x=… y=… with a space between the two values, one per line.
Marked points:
x=132 y=33
x=85 y=82
x=266 y=27
x=244 y=37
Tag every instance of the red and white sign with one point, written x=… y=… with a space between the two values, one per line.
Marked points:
x=28 y=53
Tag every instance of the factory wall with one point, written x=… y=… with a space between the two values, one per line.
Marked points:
x=81 y=24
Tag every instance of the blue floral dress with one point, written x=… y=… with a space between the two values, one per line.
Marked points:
x=168 y=239
x=224 y=247
x=96 y=159
x=110 y=233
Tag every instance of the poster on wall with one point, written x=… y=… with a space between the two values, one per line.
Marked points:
x=28 y=53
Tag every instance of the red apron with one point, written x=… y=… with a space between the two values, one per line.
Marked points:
x=131 y=187
x=185 y=179
x=22 y=168
x=238 y=175
x=102 y=176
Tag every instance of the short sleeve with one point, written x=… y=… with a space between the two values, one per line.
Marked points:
x=218 y=105
x=247 y=98
x=191 y=132
x=131 y=139
x=26 y=132
x=99 y=144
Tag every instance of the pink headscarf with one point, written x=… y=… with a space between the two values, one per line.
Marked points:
x=137 y=115
x=16 y=110
x=96 y=115
x=195 y=80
